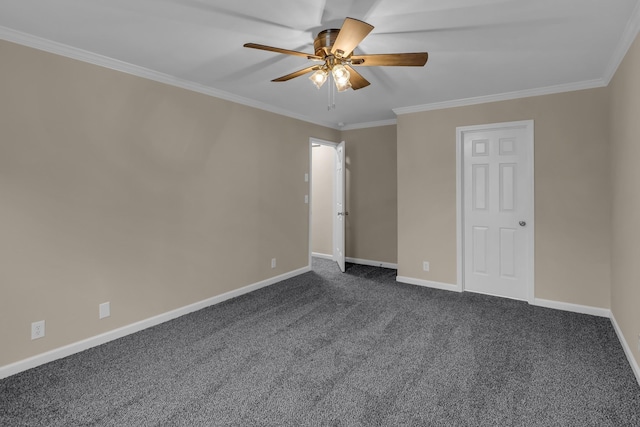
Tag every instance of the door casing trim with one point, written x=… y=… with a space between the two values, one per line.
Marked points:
x=334 y=145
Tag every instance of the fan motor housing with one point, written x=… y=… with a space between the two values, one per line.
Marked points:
x=323 y=42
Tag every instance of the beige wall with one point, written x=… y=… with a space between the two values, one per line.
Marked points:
x=625 y=247
x=371 y=195
x=323 y=167
x=116 y=188
x=371 y=228
x=572 y=192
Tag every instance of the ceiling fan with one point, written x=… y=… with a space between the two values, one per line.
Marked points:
x=334 y=49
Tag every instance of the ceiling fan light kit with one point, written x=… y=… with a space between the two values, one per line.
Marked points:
x=341 y=77
x=319 y=77
x=334 y=48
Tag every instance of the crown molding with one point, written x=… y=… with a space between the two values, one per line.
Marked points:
x=549 y=90
x=61 y=49
x=365 y=125
x=628 y=37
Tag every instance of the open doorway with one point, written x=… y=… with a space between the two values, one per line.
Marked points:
x=326 y=211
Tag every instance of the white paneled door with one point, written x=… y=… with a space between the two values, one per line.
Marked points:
x=498 y=209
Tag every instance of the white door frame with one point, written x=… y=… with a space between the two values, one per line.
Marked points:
x=339 y=251
x=460 y=131
x=334 y=145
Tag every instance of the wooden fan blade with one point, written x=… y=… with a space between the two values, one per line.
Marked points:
x=351 y=34
x=392 y=59
x=285 y=51
x=296 y=74
x=356 y=79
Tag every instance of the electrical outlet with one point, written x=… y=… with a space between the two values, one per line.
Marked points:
x=104 y=310
x=306 y=198
x=37 y=330
x=638 y=342
x=425 y=265
x=273 y=263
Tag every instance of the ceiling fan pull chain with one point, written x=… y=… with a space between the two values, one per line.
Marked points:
x=329 y=94
x=331 y=102
x=333 y=95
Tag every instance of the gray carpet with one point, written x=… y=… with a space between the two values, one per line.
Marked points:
x=354 y=349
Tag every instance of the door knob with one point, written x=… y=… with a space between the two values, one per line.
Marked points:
x=522 y=223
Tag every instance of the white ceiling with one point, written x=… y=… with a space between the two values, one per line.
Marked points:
x=480 y=49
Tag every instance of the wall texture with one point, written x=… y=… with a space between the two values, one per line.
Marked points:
x=572 y=192
x=116 y=188
x=625 y=246
x=371 y=195
x=372 y=168
x=322 y=183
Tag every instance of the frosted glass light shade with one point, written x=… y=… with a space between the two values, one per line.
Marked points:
x=319 y=77
x=340 y=74
x=343 y=86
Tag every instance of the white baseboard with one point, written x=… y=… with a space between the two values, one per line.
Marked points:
x=372 y=263
x=627 y=349
x=358 y=261
x=58 y=353
x=428 y=284
x=68 y=350
x=323 y=256
x=575 y=308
